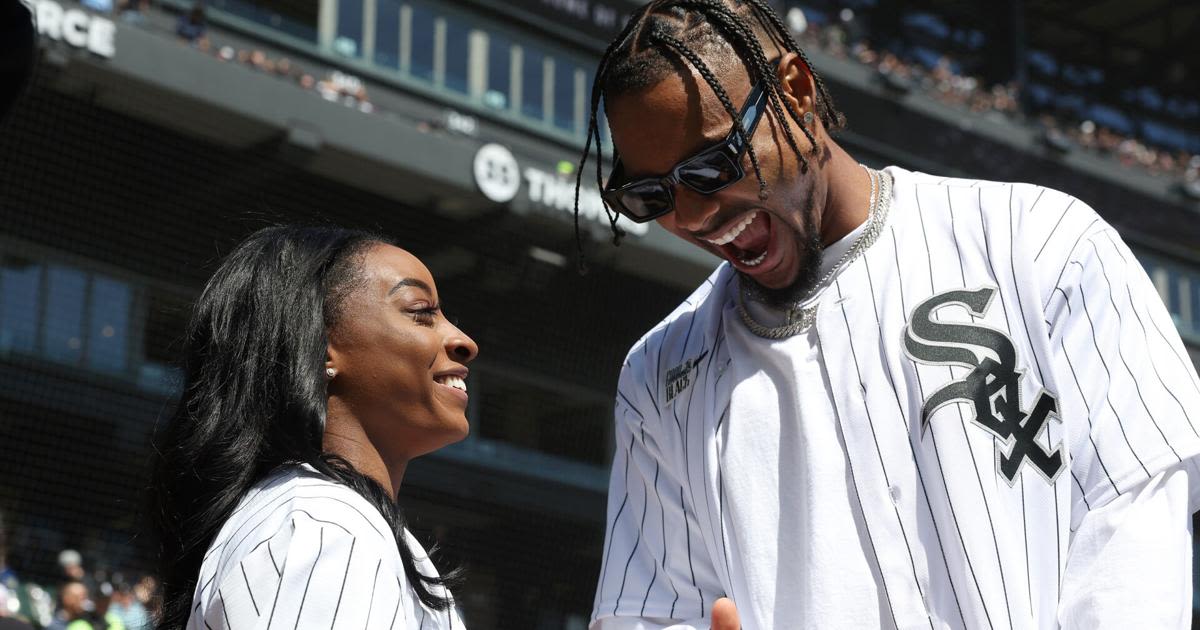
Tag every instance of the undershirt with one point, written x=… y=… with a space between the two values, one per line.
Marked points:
x=787 y=430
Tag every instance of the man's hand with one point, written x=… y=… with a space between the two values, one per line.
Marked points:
x=724 y=615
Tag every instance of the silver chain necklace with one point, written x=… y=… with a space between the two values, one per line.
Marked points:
x=801 y=318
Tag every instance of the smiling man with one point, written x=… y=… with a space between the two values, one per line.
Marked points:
x=902 y=401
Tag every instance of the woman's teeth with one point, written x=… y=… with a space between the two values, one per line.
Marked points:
x=453 y=381
x=734 y=231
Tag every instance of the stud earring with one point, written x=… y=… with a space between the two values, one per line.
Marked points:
x=330 y=372
x=808 y=118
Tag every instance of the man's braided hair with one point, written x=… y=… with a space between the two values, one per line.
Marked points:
x=662 y=33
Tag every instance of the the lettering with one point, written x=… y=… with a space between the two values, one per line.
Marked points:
x=558 y=192
x=76 y=27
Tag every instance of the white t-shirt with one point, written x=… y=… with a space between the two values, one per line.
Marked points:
x=791 y=434
x=302 y=551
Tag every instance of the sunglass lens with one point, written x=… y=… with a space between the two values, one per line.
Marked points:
x=709 y=172
x=646 y=201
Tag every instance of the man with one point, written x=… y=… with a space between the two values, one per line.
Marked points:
x=903 y=401
x=74 y=605
x=127 y=608
x=71 y=564
x=78 y=611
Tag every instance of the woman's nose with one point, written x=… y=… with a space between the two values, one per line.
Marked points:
x=461 y=347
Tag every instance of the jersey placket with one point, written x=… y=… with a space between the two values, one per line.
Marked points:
x=882 y=476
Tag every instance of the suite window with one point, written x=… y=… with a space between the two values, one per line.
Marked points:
x=20 y=286
x=533 y=82
x=349 y=38
x=421 y=42
x=62 y=330
x=297 y=18
x=387 y=33
x=457 y=55
x=564 y=94
x=109 y=302
x=499 y=72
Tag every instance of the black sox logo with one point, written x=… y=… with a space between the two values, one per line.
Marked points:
x=993 y=386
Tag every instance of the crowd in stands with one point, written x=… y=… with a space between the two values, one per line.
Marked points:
x=840 y=38
x=192 y=29
x=341 y=87
x=76 y=598
x=843 y=38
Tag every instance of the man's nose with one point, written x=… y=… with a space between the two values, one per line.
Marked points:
x=694 y=211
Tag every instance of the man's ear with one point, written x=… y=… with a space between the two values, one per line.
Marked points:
x=799 y=87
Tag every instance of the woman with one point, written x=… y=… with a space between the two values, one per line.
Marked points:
x=318 y=364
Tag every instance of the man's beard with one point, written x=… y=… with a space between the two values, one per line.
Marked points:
x=808 y=244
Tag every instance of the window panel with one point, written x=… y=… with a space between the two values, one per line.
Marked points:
x=348 y=42
x=564 y=94
x=108 y=329
x=533 y=83
x=421 y=43
x=297 y=18
x=62 y=332
x=499 y=76
x=20 y=283
x=458 y=41
x=387 y=33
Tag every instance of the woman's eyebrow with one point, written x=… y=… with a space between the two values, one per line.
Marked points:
x=410 y=282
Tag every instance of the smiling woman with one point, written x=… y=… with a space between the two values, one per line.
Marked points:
x=318 y=364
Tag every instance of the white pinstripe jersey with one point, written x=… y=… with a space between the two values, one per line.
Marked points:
x=302 y=551
x=1000 y=365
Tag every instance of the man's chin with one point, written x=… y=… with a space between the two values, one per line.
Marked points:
x=777 y=298
x=792 y=292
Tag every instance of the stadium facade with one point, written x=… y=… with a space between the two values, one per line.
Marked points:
x=137 y=159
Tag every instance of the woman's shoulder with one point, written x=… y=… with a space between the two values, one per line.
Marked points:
x=295 y=529
x=292 y=500
x=298 y=495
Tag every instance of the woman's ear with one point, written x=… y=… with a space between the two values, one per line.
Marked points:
x=332 y=362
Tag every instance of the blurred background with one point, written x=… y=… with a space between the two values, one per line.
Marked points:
x=156 y=134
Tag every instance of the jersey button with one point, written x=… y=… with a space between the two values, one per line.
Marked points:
x=894 y=492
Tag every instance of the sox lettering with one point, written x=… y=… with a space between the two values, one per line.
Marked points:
x=993 y=386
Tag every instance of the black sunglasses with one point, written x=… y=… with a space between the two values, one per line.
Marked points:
x=706 y=172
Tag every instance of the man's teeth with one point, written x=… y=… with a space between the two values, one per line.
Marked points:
x=735 y=231
x=453 y=381
x=756 y=261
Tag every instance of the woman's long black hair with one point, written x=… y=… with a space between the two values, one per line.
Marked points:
x=254 y=398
